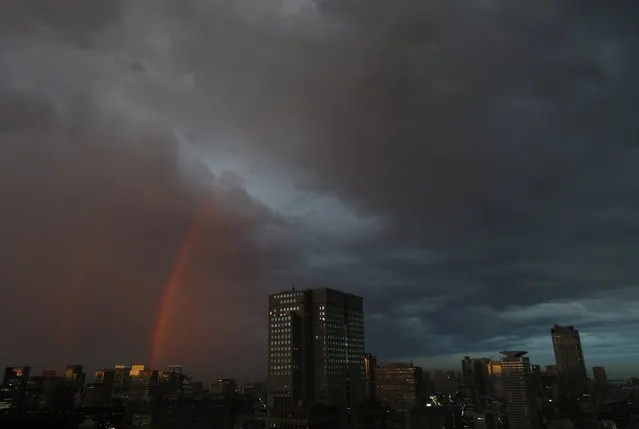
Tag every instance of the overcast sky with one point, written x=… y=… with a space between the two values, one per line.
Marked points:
x=470 y=167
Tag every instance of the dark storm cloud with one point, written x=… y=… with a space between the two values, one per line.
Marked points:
x=452 y=161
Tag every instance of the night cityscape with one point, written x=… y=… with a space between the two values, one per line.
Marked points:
x=319 y=214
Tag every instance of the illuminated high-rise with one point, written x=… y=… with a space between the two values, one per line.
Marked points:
x=571 y=366
x=315 y=357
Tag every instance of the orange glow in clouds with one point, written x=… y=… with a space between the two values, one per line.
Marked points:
x=173 y=283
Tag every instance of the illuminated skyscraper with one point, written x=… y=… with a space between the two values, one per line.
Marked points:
x=315 y=357
x=519 y=396
x=571 y=366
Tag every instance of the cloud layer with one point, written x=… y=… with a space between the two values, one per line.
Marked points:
x=469 y=167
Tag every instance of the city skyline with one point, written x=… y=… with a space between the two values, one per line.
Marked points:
x=566 y=342
x=468 y=167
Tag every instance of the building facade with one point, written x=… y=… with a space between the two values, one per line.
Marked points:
x=315 y=358
x=399 y=385
x=519 y=396
x=571 y=366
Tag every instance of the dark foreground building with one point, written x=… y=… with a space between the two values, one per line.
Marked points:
x=62 y=419
x=182 y=411
x=316 y=368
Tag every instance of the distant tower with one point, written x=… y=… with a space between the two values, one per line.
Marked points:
x=370 y=362
x=571 y=366
x=601 y=383
x=519 y=395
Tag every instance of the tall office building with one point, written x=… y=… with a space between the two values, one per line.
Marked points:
x=399 y=385
x=476 y=381
x=315 y=358
x=519 y=397
x=571 y=366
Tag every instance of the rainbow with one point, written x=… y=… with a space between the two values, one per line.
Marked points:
x=173 y=282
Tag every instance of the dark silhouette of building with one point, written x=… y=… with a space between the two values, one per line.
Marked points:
x=571 y=366
x=121 y=381
x=191 y=412
x=601 y=383
x=48 y=373
x=444 y=417
x=476 y=381
x=370 y=362
x=38 y=420
x=14 y=385
x=74 y=373
x=445 y=383
x=315 y=358
x=75 y=379
x=224 y=386
x=100 y=392
x=144 y=385
x=399 y=385
x=519 y=396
